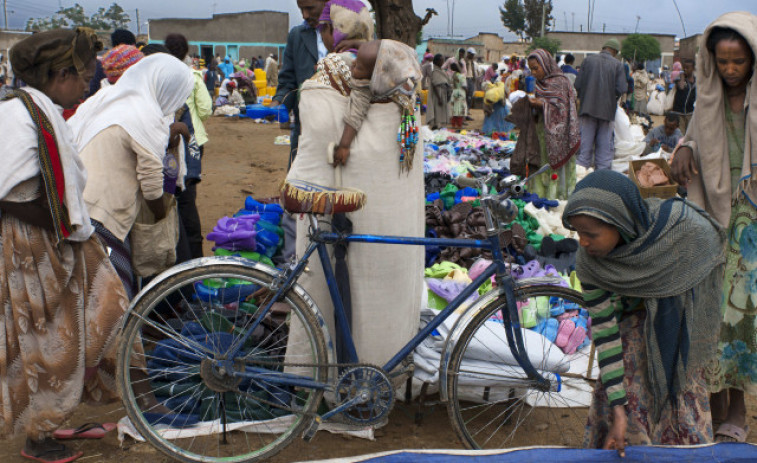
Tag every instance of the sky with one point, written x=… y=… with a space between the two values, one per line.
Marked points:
x=470 y=16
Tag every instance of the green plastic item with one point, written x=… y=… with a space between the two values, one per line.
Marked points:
x=448 y=195
x=252 y=255
x=435 y=301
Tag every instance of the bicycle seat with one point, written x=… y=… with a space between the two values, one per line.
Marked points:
x=302 y=197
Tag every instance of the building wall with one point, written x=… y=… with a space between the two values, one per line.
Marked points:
x=515 y=48
x=688 y=47
x=242 y=35
x=582 y=44
x=494 y=46
x=10 y=38
x=450 y=47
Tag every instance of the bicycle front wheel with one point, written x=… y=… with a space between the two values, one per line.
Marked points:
x=184 y=394
x=492 y=401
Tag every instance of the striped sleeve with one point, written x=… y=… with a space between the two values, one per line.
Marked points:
x=604 y=309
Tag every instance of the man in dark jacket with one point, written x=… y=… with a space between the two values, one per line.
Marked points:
x=600 y=83
x=304 y=49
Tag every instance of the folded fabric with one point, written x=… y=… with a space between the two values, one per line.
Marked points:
x=251 y=204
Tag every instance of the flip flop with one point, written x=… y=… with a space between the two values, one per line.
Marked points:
x=85 y=431
x=41 y=457
x=731 y=431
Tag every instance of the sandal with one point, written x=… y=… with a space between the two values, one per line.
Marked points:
x=48 y=455
x=85 y=431
x=731 y=433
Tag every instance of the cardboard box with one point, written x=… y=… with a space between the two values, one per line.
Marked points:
x=663 y=192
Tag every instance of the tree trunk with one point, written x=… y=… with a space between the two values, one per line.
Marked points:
x=396 y=20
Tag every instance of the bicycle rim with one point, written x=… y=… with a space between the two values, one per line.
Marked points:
x=492 y=402
x=179 y=326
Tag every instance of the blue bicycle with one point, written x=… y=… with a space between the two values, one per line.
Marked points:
x=228 y=384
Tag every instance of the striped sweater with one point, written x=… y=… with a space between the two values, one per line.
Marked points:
x=606 y=310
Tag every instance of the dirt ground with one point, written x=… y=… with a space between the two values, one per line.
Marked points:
x=240 y=160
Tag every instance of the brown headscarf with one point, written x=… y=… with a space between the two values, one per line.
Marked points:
x=34 y=58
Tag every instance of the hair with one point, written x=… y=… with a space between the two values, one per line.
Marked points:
x=672 y=117
x=638 y=66
x=454 y=67
x=461 y=50
x=438 y=59
x=569 y=59
x=152 y=48
x=177 y=45
x=122 y=37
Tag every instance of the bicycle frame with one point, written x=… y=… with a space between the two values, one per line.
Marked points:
x=320 y=239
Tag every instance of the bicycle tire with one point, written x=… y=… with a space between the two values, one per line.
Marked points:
x=276 y=413
x=492 y=404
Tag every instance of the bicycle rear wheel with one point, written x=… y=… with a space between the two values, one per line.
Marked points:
x=492 y=402
x=195 y=409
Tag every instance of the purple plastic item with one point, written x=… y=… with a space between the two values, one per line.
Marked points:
x=448 y=289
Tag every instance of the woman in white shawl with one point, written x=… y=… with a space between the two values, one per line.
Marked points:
x=385 y=280
x=718 y=163
x=61 y=302
x=123 y=132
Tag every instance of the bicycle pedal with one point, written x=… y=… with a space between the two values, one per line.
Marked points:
x=309 y=433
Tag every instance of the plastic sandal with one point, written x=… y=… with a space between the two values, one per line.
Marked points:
x=40 y=457
x=549 y=329
x=576 y=339
x=85 y=431
x=731 y=433
x=566 y=328
x=542 y=306
x=528 y=317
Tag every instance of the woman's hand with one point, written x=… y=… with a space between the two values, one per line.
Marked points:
x=684 y=167
x=341 y=153
x=616 y=437
x=177 y=129
x=348 y=44
x=536 y=102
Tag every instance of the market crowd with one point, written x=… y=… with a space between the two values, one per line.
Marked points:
x=100 y=144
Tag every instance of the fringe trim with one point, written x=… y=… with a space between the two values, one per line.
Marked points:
x=321 y=202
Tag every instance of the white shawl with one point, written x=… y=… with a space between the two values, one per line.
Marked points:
x=143 y=102
x=21 y=162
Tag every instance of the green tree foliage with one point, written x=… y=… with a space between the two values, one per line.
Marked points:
x=533 y=10
x=640 y=47
x=114 y=17
x=524 y=17
x=513 y=16
x=551 y=45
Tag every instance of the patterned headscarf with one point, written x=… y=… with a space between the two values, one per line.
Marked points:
x=35 y=57
x=672 y=257
x=350 y=19
x=119 y=59
x=562 y=130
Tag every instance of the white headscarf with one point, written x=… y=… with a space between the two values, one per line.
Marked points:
x=25 y=164
x=143 y=102
x=222 y=91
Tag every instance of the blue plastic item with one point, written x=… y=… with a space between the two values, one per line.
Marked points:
x=530 y=84
x=258 y=111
